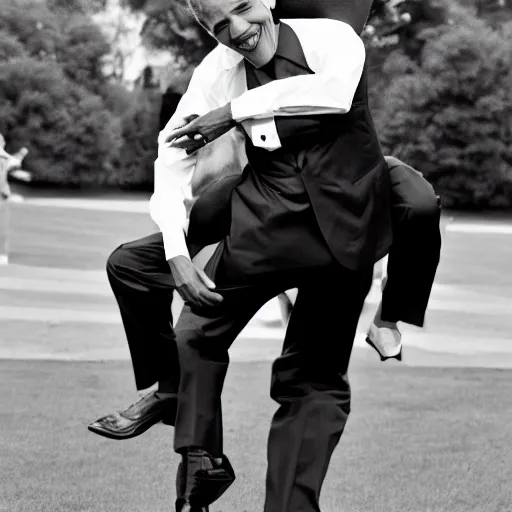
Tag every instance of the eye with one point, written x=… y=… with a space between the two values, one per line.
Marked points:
x=243 y=7
x=219 y=28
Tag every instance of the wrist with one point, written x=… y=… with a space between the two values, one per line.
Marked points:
x=178 y=264
x=177 y=260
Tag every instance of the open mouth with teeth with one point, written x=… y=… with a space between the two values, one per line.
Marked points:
x=249 y=43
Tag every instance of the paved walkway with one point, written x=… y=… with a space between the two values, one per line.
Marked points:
x=458 y=225
x=71 y=314
x=111 y=205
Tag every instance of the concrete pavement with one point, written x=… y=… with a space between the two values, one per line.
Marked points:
x=49 y=302
x=70 y=314
x=454 y=222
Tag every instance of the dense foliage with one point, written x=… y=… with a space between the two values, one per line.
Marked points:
x=56 y=100
x=170 y=26
x=440 y=91
x=444 y=103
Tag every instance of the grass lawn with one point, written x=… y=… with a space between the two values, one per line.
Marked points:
x=71 y=238
x=83 y=239
x=418 y=440
x=475 y=267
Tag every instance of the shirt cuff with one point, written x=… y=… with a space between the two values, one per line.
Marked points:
x=263 y=133
x=174 y=244
x=240 y=111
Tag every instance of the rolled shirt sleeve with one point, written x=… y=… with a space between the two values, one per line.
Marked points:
x=166 y=206
x=174 y=169
x=335 y=53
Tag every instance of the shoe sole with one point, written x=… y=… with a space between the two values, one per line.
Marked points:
x=398 y=356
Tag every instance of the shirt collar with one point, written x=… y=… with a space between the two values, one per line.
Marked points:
x=288 y=47
x=230 y=58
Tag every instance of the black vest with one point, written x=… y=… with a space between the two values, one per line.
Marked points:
x=325 y=193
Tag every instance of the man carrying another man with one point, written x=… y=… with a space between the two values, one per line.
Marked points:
x=311 y=211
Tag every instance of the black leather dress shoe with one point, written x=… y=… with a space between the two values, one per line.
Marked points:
x=181 y=504
x=201 y=480
x=139 y=417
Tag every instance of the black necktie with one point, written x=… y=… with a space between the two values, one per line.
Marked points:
x=279 y=67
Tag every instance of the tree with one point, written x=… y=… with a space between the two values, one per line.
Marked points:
x=68 y=37
x=72 y=137
x=33 y=25
x=170 y=26
x=82 y=52
x=394 y=41
x=452 y=117
x=54 y=95
x=10 y=47
x=121 y=27
x=73 y=7
x=140 y=127
x=494 y=11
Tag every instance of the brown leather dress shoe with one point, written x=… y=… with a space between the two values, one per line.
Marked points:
x=139 y=417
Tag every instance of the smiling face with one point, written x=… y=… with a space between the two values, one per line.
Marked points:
x=245 y=26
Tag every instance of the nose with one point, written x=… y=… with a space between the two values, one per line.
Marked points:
x=238 y=27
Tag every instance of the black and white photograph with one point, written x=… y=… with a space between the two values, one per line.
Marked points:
x=256 y=255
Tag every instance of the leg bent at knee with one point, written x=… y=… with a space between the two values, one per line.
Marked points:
x=115 y=260
x=425 y=207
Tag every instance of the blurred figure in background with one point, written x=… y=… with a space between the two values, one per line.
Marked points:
x=9 y=165
x=5 y=193
x=6 y=163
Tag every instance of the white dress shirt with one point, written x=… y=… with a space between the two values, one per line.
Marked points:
x=333 y=51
